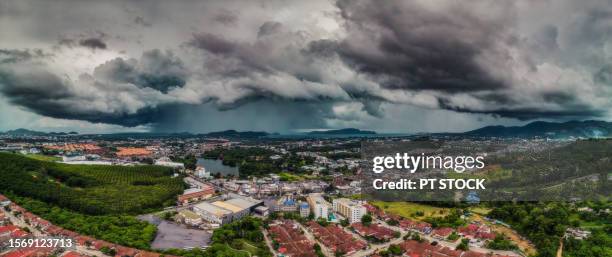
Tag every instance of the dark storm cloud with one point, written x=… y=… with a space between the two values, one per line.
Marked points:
x=25 y=81
x=49 y=95
x=269 y=27
x=411 y=47
x=604 y=75
x=355 y=58
x=13 y=56
x=226 y=17
x=141 y=21
x=213 y=43
x=93 y=43
x=234 y=58
x=158 y=70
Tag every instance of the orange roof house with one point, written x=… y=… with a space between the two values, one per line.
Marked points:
x=132 y=152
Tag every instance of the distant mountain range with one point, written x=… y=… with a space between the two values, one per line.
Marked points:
x=345 y=131
x=587 y=129
x=237 y=134
x=27 y=132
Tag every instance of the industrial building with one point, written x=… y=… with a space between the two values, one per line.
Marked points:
x=222 y=212
x=213 y=213
x=195 y=194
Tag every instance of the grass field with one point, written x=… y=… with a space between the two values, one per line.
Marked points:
x=248 y=246
x=284 y=176
x=408 y=209
x=480 y=210
x=41 y=157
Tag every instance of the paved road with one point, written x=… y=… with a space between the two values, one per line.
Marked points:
x=269 y=242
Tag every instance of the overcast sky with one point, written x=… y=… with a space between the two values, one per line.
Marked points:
x=390 y=66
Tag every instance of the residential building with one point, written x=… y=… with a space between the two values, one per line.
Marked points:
x=318 y=206
x=304 y=209
x=350 y=209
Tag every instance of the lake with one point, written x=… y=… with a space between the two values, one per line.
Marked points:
x=217 y=166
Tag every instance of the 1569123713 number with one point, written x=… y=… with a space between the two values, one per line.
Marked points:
x=46 y=242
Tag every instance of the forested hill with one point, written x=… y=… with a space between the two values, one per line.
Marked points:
x=90 y=189
x=586 y=129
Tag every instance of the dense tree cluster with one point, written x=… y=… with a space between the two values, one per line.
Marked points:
x=119 y=229
x=453 y=220
x=90 y=189
x=545 y=225
x=501 y=243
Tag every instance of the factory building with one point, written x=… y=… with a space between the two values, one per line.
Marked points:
x=222 y=212
x=213 y=213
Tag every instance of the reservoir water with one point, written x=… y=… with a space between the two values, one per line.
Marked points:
x=217 y=166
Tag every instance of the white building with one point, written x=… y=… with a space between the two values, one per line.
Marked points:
x=74 y=158
x=190 y=218
x=202 y=173
x=350 y=209
x=166 y=162
x=318 y=206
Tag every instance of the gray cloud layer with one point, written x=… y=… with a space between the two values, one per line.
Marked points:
x=335 y=61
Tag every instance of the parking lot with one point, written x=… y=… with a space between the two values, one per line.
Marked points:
x=172 y=235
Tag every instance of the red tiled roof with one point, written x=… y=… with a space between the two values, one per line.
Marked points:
x=72 y=254
x=132 y=151
x=292 y=241
x=443 y=232
x=8 y=228
x=336 y=238
x=148 y=254
x=19 y=233
x=29 y=252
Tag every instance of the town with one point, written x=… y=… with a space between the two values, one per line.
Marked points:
x=305 y=192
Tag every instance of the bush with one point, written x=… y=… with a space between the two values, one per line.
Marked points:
x=464 y=245
x=366 y=220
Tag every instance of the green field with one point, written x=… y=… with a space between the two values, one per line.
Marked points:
x=480 y=210
x=90 y=189
x=284 y=176
x=42 y=157
x=409 y=210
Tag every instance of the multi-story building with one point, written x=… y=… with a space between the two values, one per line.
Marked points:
x=304 y=209
x=350 y=209
x=318 y=206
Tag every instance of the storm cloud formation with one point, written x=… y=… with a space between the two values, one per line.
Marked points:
x=340 y=62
